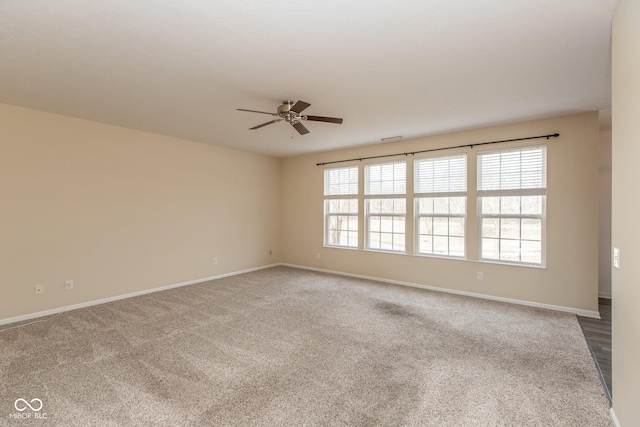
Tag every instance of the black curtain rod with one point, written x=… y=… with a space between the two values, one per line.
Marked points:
x=555 y=135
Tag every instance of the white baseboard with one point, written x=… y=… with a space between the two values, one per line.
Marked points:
x=124 y=296
x=614 y=418
x=605 y=296
x=578 y=311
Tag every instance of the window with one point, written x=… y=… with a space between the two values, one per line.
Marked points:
x=512 y=188
x=385 y=197
x=441 y=205
x=341 y=207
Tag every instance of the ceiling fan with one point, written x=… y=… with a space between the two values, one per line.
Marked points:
x=290 y=112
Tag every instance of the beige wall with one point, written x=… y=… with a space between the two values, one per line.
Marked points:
x=626 y=211
x=570 y=278
x=604 y=206
x=120 y=211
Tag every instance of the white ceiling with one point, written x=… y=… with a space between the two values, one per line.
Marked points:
x=409 y=68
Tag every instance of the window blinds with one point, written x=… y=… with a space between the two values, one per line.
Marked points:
x=516 y=169
x=441 y=175
x=341 y=181
x=386 y=178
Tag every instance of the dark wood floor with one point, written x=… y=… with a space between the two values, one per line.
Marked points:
x=598 y=335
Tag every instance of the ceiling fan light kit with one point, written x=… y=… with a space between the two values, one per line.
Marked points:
x=291 y=113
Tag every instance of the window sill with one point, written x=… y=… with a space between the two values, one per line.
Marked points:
x=349 y=248
x=382 y=251
x=512 y=264
x=436 y=256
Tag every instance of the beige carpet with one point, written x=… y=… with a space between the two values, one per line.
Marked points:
x=285 y=347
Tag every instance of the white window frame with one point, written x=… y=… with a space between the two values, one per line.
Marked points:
x=370 y=196
x=540 y=190
x=440 y=192
x=343 y=190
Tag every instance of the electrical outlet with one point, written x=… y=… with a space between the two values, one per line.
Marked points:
x=215 y=261
x=480 y=275
x=68 y=285
x=38 y=289
x=318 y=255
x=616 y=258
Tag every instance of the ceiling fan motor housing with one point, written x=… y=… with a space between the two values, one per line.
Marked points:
x=285 y=112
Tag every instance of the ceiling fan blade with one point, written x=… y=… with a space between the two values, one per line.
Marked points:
x=299 y=106
x=264 y=124
x=254 y=111
x=301 y=129
x=323 y=119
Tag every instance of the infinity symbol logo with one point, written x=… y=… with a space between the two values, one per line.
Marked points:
x=24 y=408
